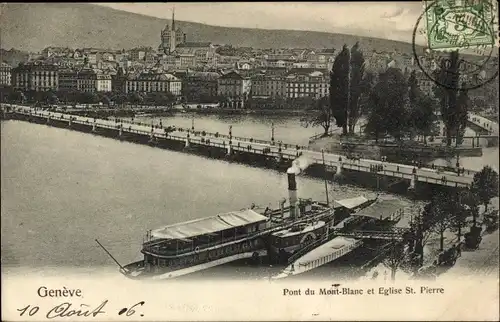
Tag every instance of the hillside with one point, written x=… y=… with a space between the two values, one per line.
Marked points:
x=13 y=57
x=34 y=26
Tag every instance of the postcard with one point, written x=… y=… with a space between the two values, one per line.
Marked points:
x=240 y=161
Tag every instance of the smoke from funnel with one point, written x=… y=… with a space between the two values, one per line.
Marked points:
x=299 y=165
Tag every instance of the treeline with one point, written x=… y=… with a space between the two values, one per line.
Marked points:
x=392 y=102
x=74 y=97
x=452 y=210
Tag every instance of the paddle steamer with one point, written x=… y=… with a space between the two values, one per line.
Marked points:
x=187 y=247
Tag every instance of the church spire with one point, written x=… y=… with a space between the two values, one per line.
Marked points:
x=173 y=18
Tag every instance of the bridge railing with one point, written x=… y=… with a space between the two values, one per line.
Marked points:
x=267 y=150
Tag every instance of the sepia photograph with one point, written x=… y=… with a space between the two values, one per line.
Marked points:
x=250 y=161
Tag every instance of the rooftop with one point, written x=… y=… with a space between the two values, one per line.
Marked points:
x=195 y=44
x=154 y=76
x=209 y=225
x=204 y=75
x=381 y=209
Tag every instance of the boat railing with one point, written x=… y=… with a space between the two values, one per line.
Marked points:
x=181 y=251
x=304 y=250
x=150 y=246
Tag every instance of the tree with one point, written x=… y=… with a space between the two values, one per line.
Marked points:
x=339 y=88
x=452 y=109
x=321 y=115
x=463 y=200
x=413 y=89
x=485 y=185
x=442 y=207
x=119 y=98
x=7 y=94
x=89 y=98
x=104 y=99
x=422 y=120
x=422 y=228
x=395 y=257
x=463 y=103
x=388 y=106
x=135 y=98
x=358 y=85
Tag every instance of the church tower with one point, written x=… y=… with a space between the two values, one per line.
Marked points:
x=171 y=37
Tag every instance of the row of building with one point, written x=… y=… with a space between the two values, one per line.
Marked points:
x=191 y=85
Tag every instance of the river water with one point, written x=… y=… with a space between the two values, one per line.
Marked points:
x=62 y=189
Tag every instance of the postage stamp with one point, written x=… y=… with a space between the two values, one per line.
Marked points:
x=464 y=27
x=460 y=23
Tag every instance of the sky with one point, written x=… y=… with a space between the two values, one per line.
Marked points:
x=389 y=20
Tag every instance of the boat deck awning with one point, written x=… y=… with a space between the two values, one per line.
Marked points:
x=350 y=203
x=381 y=209
x=209 y=225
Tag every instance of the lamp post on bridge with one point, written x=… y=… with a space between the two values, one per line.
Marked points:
x=192 y=122
x=272 y=133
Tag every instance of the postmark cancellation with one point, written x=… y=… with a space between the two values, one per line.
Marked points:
x=461 y=24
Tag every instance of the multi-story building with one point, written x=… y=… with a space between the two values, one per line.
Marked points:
x=137 y=54
x=35 y=76
x=200 y=87
x=68 y=79
x=92 y=80
x=314 y=84
x=275 y=71
x=103 y=82
x=153 y=82
x=303 y=64
x=56 y=51
x=185 y=60
x=203 y=51
x=268 y=86
x=243 y=65
x=92 y=57
x=107 y=56
x=5 y=74
x=235 y=88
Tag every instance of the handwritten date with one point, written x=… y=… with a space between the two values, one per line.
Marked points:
x=67 y=309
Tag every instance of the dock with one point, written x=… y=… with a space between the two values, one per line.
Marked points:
x=244 y=149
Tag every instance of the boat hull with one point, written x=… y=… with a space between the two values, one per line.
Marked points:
x=137 y=270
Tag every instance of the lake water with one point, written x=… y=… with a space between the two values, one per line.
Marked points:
x=286 y=129
x=62 y=189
